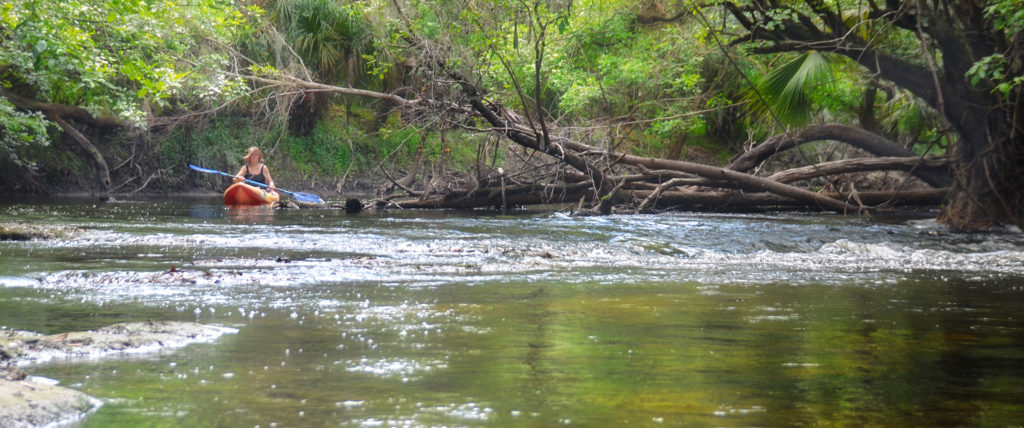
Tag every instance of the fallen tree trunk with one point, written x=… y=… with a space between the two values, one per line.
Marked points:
x=927 y=163
x=602 y=187
x=64 y=111
x=749 y=182
x=102 y=170
x=730 y=201
x=857 y=137
x=674 y=199
x=493 y=198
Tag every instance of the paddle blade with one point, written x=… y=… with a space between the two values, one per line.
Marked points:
x=210 y=171
x=201 y=169
x=307 y=197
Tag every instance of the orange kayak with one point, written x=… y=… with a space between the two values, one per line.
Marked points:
x=244 y=194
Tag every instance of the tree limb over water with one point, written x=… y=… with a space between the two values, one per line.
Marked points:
x=603 y=189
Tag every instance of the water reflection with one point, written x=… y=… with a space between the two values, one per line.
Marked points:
x=206 y=212
x=257 y=214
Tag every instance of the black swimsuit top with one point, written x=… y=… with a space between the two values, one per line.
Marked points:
x=259 y=178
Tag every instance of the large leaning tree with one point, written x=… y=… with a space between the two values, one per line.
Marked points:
x=966 y=61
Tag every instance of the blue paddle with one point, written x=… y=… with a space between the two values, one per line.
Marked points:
x=300 y=196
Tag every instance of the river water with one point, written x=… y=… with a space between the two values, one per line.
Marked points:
x=530 y=319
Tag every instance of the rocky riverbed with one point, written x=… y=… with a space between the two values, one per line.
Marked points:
x=28 y=401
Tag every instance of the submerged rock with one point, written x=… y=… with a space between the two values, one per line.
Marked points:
x=24 y=348
x=28 y=232
x=29 y=401
x=35 y=403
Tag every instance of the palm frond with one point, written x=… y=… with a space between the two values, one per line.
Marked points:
x=326 y=34
x=783 y=93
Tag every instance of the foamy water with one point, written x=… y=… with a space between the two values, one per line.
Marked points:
x=115 y=261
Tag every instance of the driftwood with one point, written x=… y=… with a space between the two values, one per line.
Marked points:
x=747 y=181
x=734 y=201
x=681 y=200
x=652 y=186
x=568 y=151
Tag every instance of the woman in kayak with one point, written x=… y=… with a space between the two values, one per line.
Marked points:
x=254 y=169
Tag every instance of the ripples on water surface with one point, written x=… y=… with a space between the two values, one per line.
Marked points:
x=534 y=319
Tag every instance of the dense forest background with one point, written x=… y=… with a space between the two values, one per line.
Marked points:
x=657 y=104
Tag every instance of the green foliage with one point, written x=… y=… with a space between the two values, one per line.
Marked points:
x=334 y=150
x=123 y=58
x=1007 y=16
x=20 y=129
x=991 y=71
x=508 y=40
x=219 y=144
x=913 y=122
x=631 y=73
x=395 y=137
x=398 y=143
x=113 y=56
x=600 y=66
x=992 y=67
x=784 y=93
x=332 y=38
x=328 y=150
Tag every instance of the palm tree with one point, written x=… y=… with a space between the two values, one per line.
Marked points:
x=331 y=39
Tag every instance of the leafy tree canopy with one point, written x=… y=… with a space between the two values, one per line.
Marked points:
x=123 y=59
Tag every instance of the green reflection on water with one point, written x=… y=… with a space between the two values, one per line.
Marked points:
x=914 y=354
x=526 y=337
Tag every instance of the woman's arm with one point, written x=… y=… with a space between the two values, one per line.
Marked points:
x=270 y=181
x=241 y=174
